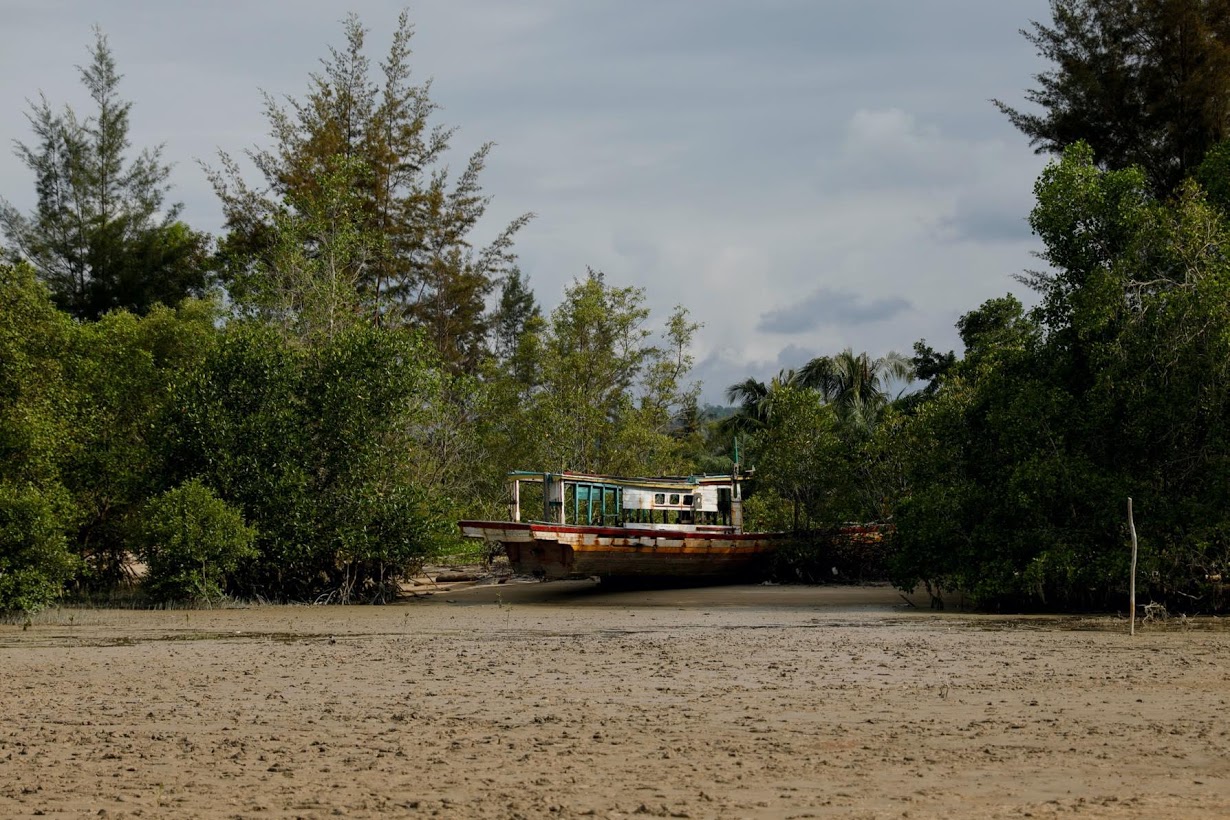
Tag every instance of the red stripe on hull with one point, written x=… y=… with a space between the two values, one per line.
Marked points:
x=558 y=551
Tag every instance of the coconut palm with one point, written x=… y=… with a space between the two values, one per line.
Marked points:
x=755 y=400
x=856 y=384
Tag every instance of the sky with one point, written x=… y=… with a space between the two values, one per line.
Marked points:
x=802 y=175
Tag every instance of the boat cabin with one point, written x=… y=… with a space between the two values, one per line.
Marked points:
x=691 y=503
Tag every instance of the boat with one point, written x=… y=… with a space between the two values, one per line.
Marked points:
x=675 y=528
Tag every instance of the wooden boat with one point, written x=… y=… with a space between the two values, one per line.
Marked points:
x=673 y=528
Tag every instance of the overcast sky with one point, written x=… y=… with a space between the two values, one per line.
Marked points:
x=803 y=175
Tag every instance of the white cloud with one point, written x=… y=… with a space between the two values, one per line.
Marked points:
x=889 y=147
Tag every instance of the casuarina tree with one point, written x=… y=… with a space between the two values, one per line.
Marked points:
x=102 y=234
x=1144 y=82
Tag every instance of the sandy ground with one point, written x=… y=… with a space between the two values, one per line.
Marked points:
x=562 y=700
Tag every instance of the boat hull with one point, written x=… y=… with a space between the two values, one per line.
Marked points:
x=560 y=551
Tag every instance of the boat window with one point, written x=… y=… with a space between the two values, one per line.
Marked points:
x=687 y=500
x=659 y=498
x=674 y=498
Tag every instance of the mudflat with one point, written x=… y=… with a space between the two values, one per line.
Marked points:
x=565 y=700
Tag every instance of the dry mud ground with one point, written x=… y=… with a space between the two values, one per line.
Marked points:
x=563 y=700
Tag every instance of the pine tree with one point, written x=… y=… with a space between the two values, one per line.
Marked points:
x=1143 y=82
x=516 y=310
x=428 y=273
x=101 y=234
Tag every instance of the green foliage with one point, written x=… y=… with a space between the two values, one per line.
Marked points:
x=78 y=404
x=308 y=280
x=875 y=468
x=754 y=401
x=930 y=366
x=121 y=369
x=328 y=438
x=36 y=402
x=1213 y=175
x=1117 y=385
x=517 y=312
x=36 y=432
x=823 y=443
x=190 y=541
x=101 y=234
x=35 y=560
x=703 y=445
x=606 y=398
x=406 y=232
x=1143 y=82
x=856 y=385
x=317 y=446
x=799 y=460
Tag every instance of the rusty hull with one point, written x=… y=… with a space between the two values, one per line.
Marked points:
x=554 y=551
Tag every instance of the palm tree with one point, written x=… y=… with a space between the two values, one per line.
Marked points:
x=755 y=400
x=856 y=384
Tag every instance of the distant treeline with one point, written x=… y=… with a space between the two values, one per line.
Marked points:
x=301 y=408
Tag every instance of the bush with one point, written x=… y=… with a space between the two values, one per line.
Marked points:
x=190 y=539
x=34 y=557
x=319 y=446
x=120 y=369
x=377 y=533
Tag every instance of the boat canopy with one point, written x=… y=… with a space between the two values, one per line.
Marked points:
x=587 y=499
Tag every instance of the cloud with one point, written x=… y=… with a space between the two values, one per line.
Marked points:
x=890 y=148
x=990 y=211
x=991 y=218
x=829 y=306
x=639 y=251
x=790 y=171
x=792 y=357
x=725 y=367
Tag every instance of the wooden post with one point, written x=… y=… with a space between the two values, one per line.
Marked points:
x=1132 y=582
x=516 y=500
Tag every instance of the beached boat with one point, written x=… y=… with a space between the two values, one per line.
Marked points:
x=681 y=528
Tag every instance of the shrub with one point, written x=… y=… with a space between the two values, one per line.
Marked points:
x=320 y=446
x=34 y=557
x=190 y=539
